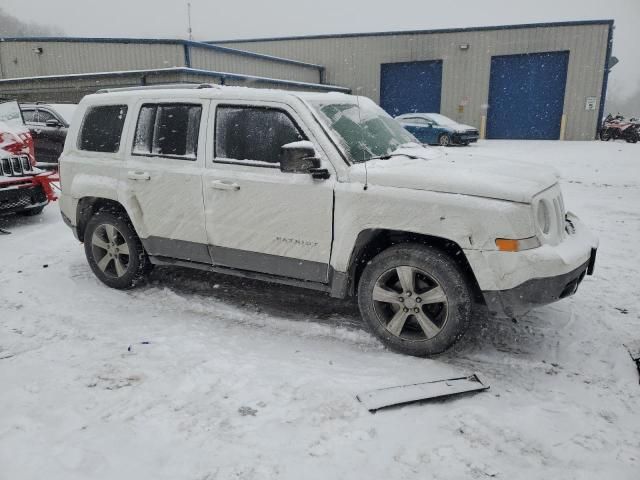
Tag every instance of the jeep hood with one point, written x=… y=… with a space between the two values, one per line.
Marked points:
x=459 y=173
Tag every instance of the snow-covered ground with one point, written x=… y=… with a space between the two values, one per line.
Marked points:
x=244 y=380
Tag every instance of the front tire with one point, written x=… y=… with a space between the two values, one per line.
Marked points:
x=605 y=135
x=415 y=299
x=114 y=251
x=444 y=140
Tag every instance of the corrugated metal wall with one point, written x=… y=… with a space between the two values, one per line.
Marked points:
x=226 y=62
x=355 y=62
x=21 y=59
x=18 y=59
x=70 y=89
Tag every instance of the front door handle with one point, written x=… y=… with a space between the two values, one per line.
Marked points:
x=221 y=185
x=136 y=175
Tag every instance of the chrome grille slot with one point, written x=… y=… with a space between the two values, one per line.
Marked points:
x=26 y=164
x=5 y=167
x=16 y=166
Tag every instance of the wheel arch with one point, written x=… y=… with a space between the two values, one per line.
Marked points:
x=88 y=206
x=371 y=242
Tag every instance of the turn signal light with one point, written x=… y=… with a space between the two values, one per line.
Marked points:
x=510 y=245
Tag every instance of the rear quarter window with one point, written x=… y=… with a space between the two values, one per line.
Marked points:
x=102 y=128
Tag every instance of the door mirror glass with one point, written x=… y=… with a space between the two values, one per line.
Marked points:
x=298 y=157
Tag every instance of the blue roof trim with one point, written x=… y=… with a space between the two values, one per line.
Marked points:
x=194 y=71
x=414 y=32
x=605 y=79
x=165 y=41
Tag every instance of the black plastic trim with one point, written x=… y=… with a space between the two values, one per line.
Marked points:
x=179 y=249
x=536 y=292
x=270 y=264
x=159 y=260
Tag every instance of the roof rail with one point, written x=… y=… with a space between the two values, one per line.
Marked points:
x=161 y=86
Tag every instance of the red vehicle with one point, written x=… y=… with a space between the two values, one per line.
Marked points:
x=23 y=188
x=616 y=127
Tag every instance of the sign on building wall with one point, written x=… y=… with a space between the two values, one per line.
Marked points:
x=590 y=104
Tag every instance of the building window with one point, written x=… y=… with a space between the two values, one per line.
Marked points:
x=168 y=130
x=253 y=134
x=102 y=128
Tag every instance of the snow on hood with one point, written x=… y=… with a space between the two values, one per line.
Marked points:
x=459 y=173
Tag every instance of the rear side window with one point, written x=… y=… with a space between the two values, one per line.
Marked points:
x=253 y=133
x=168 y=130
x=102 y=128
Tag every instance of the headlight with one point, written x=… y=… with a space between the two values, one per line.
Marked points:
x=543 y=216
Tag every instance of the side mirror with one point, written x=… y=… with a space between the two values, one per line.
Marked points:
x=53 y=123
x=300 y=157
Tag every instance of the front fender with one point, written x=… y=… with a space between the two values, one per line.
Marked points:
x=473 y=223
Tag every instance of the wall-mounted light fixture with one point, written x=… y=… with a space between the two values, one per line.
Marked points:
x=464 y=46
x=38 y=50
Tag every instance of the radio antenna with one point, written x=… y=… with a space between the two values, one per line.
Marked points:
x=364 y=160
x=189 y=20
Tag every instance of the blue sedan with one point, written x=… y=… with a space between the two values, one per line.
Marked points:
x=436 y=129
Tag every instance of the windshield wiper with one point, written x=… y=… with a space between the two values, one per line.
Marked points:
x=393 y=154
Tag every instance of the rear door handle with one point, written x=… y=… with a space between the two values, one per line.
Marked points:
x=221 y=185
x=136 y=175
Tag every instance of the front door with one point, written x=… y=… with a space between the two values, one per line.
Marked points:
x=259 y=218
x=48 y=140
x=163 y=175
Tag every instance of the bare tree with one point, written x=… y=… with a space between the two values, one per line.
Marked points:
x=11 y=26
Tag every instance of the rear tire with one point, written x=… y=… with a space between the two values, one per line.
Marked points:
x=605 y=135
x=114 y=251
x=415 y=299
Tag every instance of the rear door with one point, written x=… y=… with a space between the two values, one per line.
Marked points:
x=163 y=175
x=259 y=218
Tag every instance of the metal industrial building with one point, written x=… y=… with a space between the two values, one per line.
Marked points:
x=543 y=81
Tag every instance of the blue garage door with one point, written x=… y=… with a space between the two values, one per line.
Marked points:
x=411 y=87
x=526 y=95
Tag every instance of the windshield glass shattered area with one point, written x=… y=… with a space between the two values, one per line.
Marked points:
x=366 y=131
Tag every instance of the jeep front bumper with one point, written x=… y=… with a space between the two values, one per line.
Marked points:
x=514 y=282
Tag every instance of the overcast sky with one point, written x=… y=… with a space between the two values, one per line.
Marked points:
x=215 y=20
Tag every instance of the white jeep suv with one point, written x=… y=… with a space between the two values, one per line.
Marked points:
x=317 y=190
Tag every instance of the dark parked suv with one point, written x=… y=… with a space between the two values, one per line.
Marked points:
x=48 y=124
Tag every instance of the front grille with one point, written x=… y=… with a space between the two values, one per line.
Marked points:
x=16 y=199
x=16 y=166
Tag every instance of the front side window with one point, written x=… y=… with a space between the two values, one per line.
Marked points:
x=253 y=134
x=415 y=121
x=44 y=116
x=169 y=130
x=441 y=119
x=102 y=128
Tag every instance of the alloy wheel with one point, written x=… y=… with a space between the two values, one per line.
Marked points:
x=410 y=303
x=110 y=250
